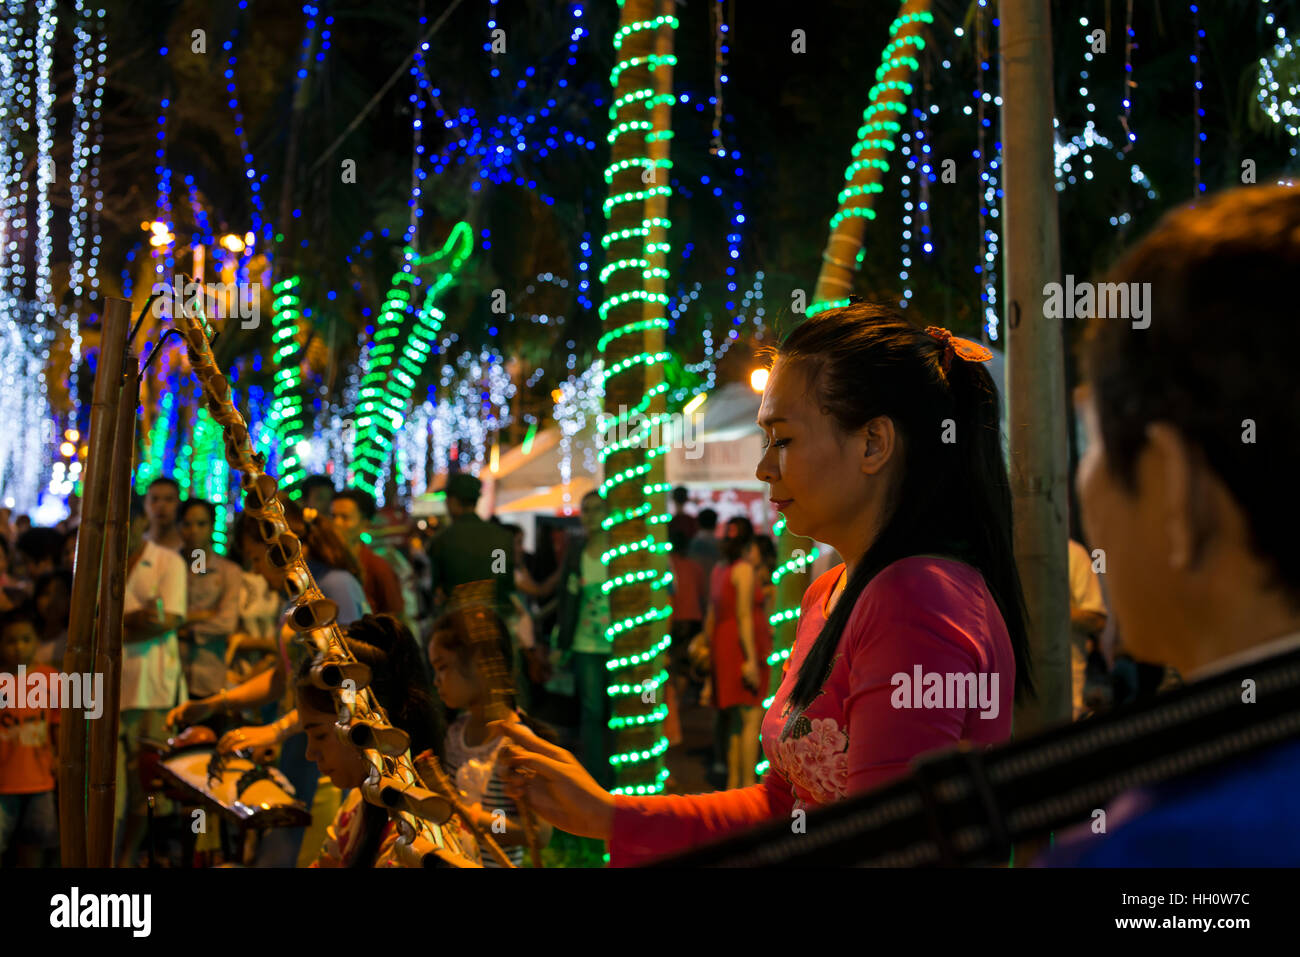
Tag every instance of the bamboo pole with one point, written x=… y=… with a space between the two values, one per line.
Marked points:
x=108 y=656
x=85 y=581
x=1035 y=361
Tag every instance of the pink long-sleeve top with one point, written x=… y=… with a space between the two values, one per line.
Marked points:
x=925 y=639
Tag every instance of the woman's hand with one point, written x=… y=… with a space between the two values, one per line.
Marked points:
x=263 y=736
x=191 y=712
x=554 y=784
x=749 y=674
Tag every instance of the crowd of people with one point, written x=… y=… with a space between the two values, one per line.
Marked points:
x=1191 y=520
x=202 y=644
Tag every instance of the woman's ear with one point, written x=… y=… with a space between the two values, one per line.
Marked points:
x=879 y=443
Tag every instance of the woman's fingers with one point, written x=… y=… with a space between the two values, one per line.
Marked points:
x=522 y=736
x=518 y=761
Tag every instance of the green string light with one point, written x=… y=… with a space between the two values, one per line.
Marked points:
x=405 y=332
x=288 y=413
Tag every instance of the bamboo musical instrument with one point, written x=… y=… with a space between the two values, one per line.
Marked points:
x=475 y=600
x=78 y=658
x=108 y=646
x=314 y=618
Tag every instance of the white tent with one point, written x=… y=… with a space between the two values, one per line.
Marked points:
x=721 y=446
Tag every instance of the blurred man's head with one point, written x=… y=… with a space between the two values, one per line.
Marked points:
x=161 y=501
x=463 y=491
x=708 y=519
x=198 y=521
x=317 y=493
x=41 y=550
x=352 y=510
x=1188 y=484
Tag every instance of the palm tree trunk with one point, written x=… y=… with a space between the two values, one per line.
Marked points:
x=634 y=279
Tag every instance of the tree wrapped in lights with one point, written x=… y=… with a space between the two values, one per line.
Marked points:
x=288 y=418
x=404 y=341
x=869 y=163
x=632 y=312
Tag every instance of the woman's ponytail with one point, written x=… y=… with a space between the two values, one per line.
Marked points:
x=987 y=487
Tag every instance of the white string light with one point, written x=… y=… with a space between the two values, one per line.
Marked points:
x=1281 y=106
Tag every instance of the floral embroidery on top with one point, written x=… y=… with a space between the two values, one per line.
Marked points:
x=817 y=761
x=813 y=753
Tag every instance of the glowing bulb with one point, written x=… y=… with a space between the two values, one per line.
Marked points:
x=68 y=449
x=758 y=380
x=233 y=243
x=248 y=238
x=695 y=403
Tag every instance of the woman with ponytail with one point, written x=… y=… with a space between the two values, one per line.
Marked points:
x=883 y=442
x=362 y=835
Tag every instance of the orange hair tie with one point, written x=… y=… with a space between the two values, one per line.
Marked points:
x=955 y=345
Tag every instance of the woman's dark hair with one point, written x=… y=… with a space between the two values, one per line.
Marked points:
x=737 y=538
x=322 y=541
x=202 y=503
x=400 y=684
x=39 y=544
x=48 y=579
x=1211 y=357
x=766 y=550
x=453 y=632
x=863 y=361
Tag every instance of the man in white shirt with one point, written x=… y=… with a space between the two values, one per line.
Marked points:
x=151 y=671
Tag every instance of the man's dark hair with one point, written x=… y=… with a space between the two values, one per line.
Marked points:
x=680 y=495
x=364 y=501
x=312 y=482
x=18 y=614
x=1215 y=361
x=38 y=544
x=202 y=503
x=164 y=480
x=708 y=519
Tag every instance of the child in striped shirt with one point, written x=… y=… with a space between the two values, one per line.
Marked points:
x=471 y=745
